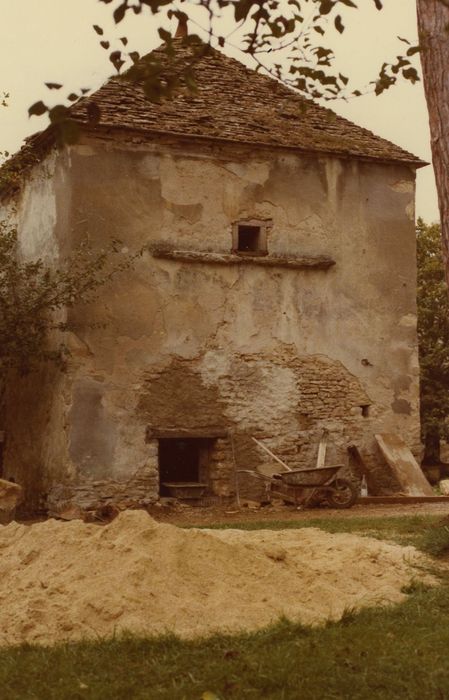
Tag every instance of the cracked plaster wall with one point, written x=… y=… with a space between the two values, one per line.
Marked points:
x=34 y=411
x=280 y=354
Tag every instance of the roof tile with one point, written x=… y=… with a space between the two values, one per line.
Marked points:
x=238 y=104
x=233 y=103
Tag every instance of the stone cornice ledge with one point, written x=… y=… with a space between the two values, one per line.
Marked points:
x=294 y=262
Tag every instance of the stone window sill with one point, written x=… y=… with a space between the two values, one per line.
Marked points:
x=295 y=262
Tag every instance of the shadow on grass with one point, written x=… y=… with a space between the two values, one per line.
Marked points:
x=428 y=533
x=391 y=652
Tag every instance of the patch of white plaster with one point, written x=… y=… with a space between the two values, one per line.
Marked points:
x=408 y=321
x=214 y=366
x=405 y=186
x=410 y=210
x=257 y=172
x=333 y=172
x=37 y=215
x=149 y=167
x=83 y=150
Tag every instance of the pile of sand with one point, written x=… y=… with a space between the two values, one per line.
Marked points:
x=64 y=581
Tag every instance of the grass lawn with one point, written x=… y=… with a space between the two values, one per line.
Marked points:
x=396 y=652
x=426 y=532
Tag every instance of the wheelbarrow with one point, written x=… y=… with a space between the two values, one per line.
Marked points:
x=301 y=485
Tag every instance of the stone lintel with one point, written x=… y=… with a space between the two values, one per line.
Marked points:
x=179 y=433
x=295 y=262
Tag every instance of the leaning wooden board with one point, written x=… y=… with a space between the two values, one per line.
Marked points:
x=403 y=465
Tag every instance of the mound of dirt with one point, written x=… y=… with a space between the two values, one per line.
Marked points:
x=66 y=581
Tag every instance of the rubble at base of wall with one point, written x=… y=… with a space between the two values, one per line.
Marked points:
x=141 y=490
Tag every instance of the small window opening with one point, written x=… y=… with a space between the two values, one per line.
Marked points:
x=365 y=410
x=249 y=239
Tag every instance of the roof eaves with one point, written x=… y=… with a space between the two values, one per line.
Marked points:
x=14 y=170
x=412 y=161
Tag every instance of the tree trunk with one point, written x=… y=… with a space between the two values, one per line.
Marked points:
x=433 y=29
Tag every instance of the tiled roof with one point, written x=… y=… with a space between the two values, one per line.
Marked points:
x=232 y=103
x=238 y=104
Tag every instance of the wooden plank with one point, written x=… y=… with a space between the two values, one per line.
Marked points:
x=273 y=455
x=400 y=500
x=321 y=457
x=403 y=465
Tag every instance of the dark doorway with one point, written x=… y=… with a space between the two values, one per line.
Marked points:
x=179 y=461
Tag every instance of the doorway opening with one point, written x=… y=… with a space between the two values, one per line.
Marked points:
x=182 y=461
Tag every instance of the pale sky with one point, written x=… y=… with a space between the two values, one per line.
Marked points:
x=53 y=41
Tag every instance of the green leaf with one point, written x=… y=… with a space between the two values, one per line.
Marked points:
x=38 y=109
x=93 y=113
x=326 y=6
x=190 y=82
x=242 y=9
x=411 y=74
x=115 y=58
x=120 y=12
x=164 y=34
x=153 y=90
x=69 y=131
x=339 y=26
x=58 y=114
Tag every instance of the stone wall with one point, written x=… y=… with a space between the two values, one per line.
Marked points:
x=284 y=400
x=181 y=342
x=87 y=494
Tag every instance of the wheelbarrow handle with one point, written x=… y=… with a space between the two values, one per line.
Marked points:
x=272 y=455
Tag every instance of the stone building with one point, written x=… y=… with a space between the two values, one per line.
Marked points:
x=275 y=297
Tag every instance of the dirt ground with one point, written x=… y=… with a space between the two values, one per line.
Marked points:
x=178 y=514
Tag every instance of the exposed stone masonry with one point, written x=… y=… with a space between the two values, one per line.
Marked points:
x=142 y=488
x=283 y=400
x=218 y=352
x=89 y=494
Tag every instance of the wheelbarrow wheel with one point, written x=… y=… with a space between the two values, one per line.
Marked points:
x=342 y=494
